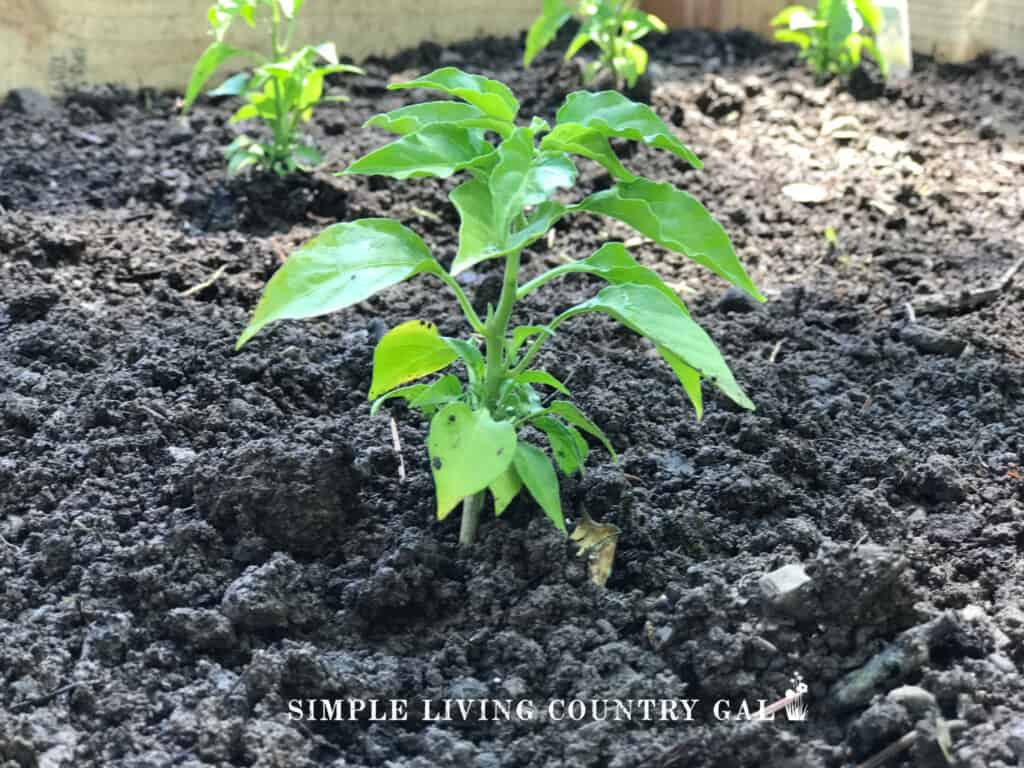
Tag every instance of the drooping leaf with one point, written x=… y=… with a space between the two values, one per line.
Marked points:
x=537 y=474
x=676 y=220
x=435 y=150
x=344 y=265
x=542 y=377
x=233 y=86
x=491 y=96
x=567 y=445
x=589 y=143
x=423 y=397
x=215 y=55
x=554 y=16
x=648 y=312
x=416 y=116
x=468 y=451
x=479 y=236
x=688 y=377
x=407 y=352
x=597 y=541
x=505 y=489
x=612 y=262
x=613 y=115
x=572 y=414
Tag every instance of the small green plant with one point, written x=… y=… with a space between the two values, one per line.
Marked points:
x=282 y=90
x=613 y=26
x=511 y=198
x=833 y=38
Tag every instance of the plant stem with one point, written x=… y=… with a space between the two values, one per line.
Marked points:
x=496 y=329
x=471 y=508
x=467 y=307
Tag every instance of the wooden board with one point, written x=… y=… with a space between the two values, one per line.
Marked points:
x=55 y=44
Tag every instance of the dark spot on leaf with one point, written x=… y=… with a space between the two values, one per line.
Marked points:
x=451 y=418
x=436 y=463
x=501 y=451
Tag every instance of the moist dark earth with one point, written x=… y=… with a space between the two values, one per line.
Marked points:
x=192 y=537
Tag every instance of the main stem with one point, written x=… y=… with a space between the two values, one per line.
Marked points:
x=496 y=330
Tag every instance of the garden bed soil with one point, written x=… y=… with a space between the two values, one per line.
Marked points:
x=191 y=536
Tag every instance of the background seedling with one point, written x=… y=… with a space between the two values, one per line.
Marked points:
x=613 y=26
x=833 y=37
x=508 y=201
x=282 y=91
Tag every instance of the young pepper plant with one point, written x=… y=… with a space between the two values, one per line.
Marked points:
x=613 y=26
x=510 y=199
x=832 y=38
x=281 y=91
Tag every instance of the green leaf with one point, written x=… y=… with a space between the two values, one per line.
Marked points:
x=407 y=352
x=688 y=377
x=537 y=474
x=233 y=86
x=542 y=377
x=549 y=172
x=423 y=397
x=468 y=451
x=794 y=17
x=492 y=97
x=245 y=112
x=522 y=334
x=436 y=150
x=800 y=39
x=838 y=25
x=472 y=357
x=871 y=14
x=676 y=220
x=554 y=16
x=290 y=7
x=572 y=414
x=215 y=55
x=589 y=143
x=479 y=237
x=613 y=115
x=306 y=156
x=576 y=45
x=613 y=263
x=567 y=445
x=416 y=116
x=648 y=312
x=509 y=180
x=344 y=265
x=505 y=489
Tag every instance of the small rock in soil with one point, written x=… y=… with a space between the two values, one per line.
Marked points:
x=914 y=699
x=737 y=300
x=263 y=596
x=786 y=587
x=202 y=629
x=932 y=342
x=721 y=98
x=29 y=101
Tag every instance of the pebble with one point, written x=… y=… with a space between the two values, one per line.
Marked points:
x=914 y=699
x=932 y=342
x=737 y=300
x=785 y=587
x=29 y=101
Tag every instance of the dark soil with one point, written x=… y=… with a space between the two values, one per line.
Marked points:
x=192 y=537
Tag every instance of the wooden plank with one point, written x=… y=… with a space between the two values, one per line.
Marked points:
x=52 y=45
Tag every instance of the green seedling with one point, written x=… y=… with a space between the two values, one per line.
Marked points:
x=833 y=38
x=516 y=188
x=282 y=91
x=614 y=26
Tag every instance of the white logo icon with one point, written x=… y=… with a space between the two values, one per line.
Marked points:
x=796 y=710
